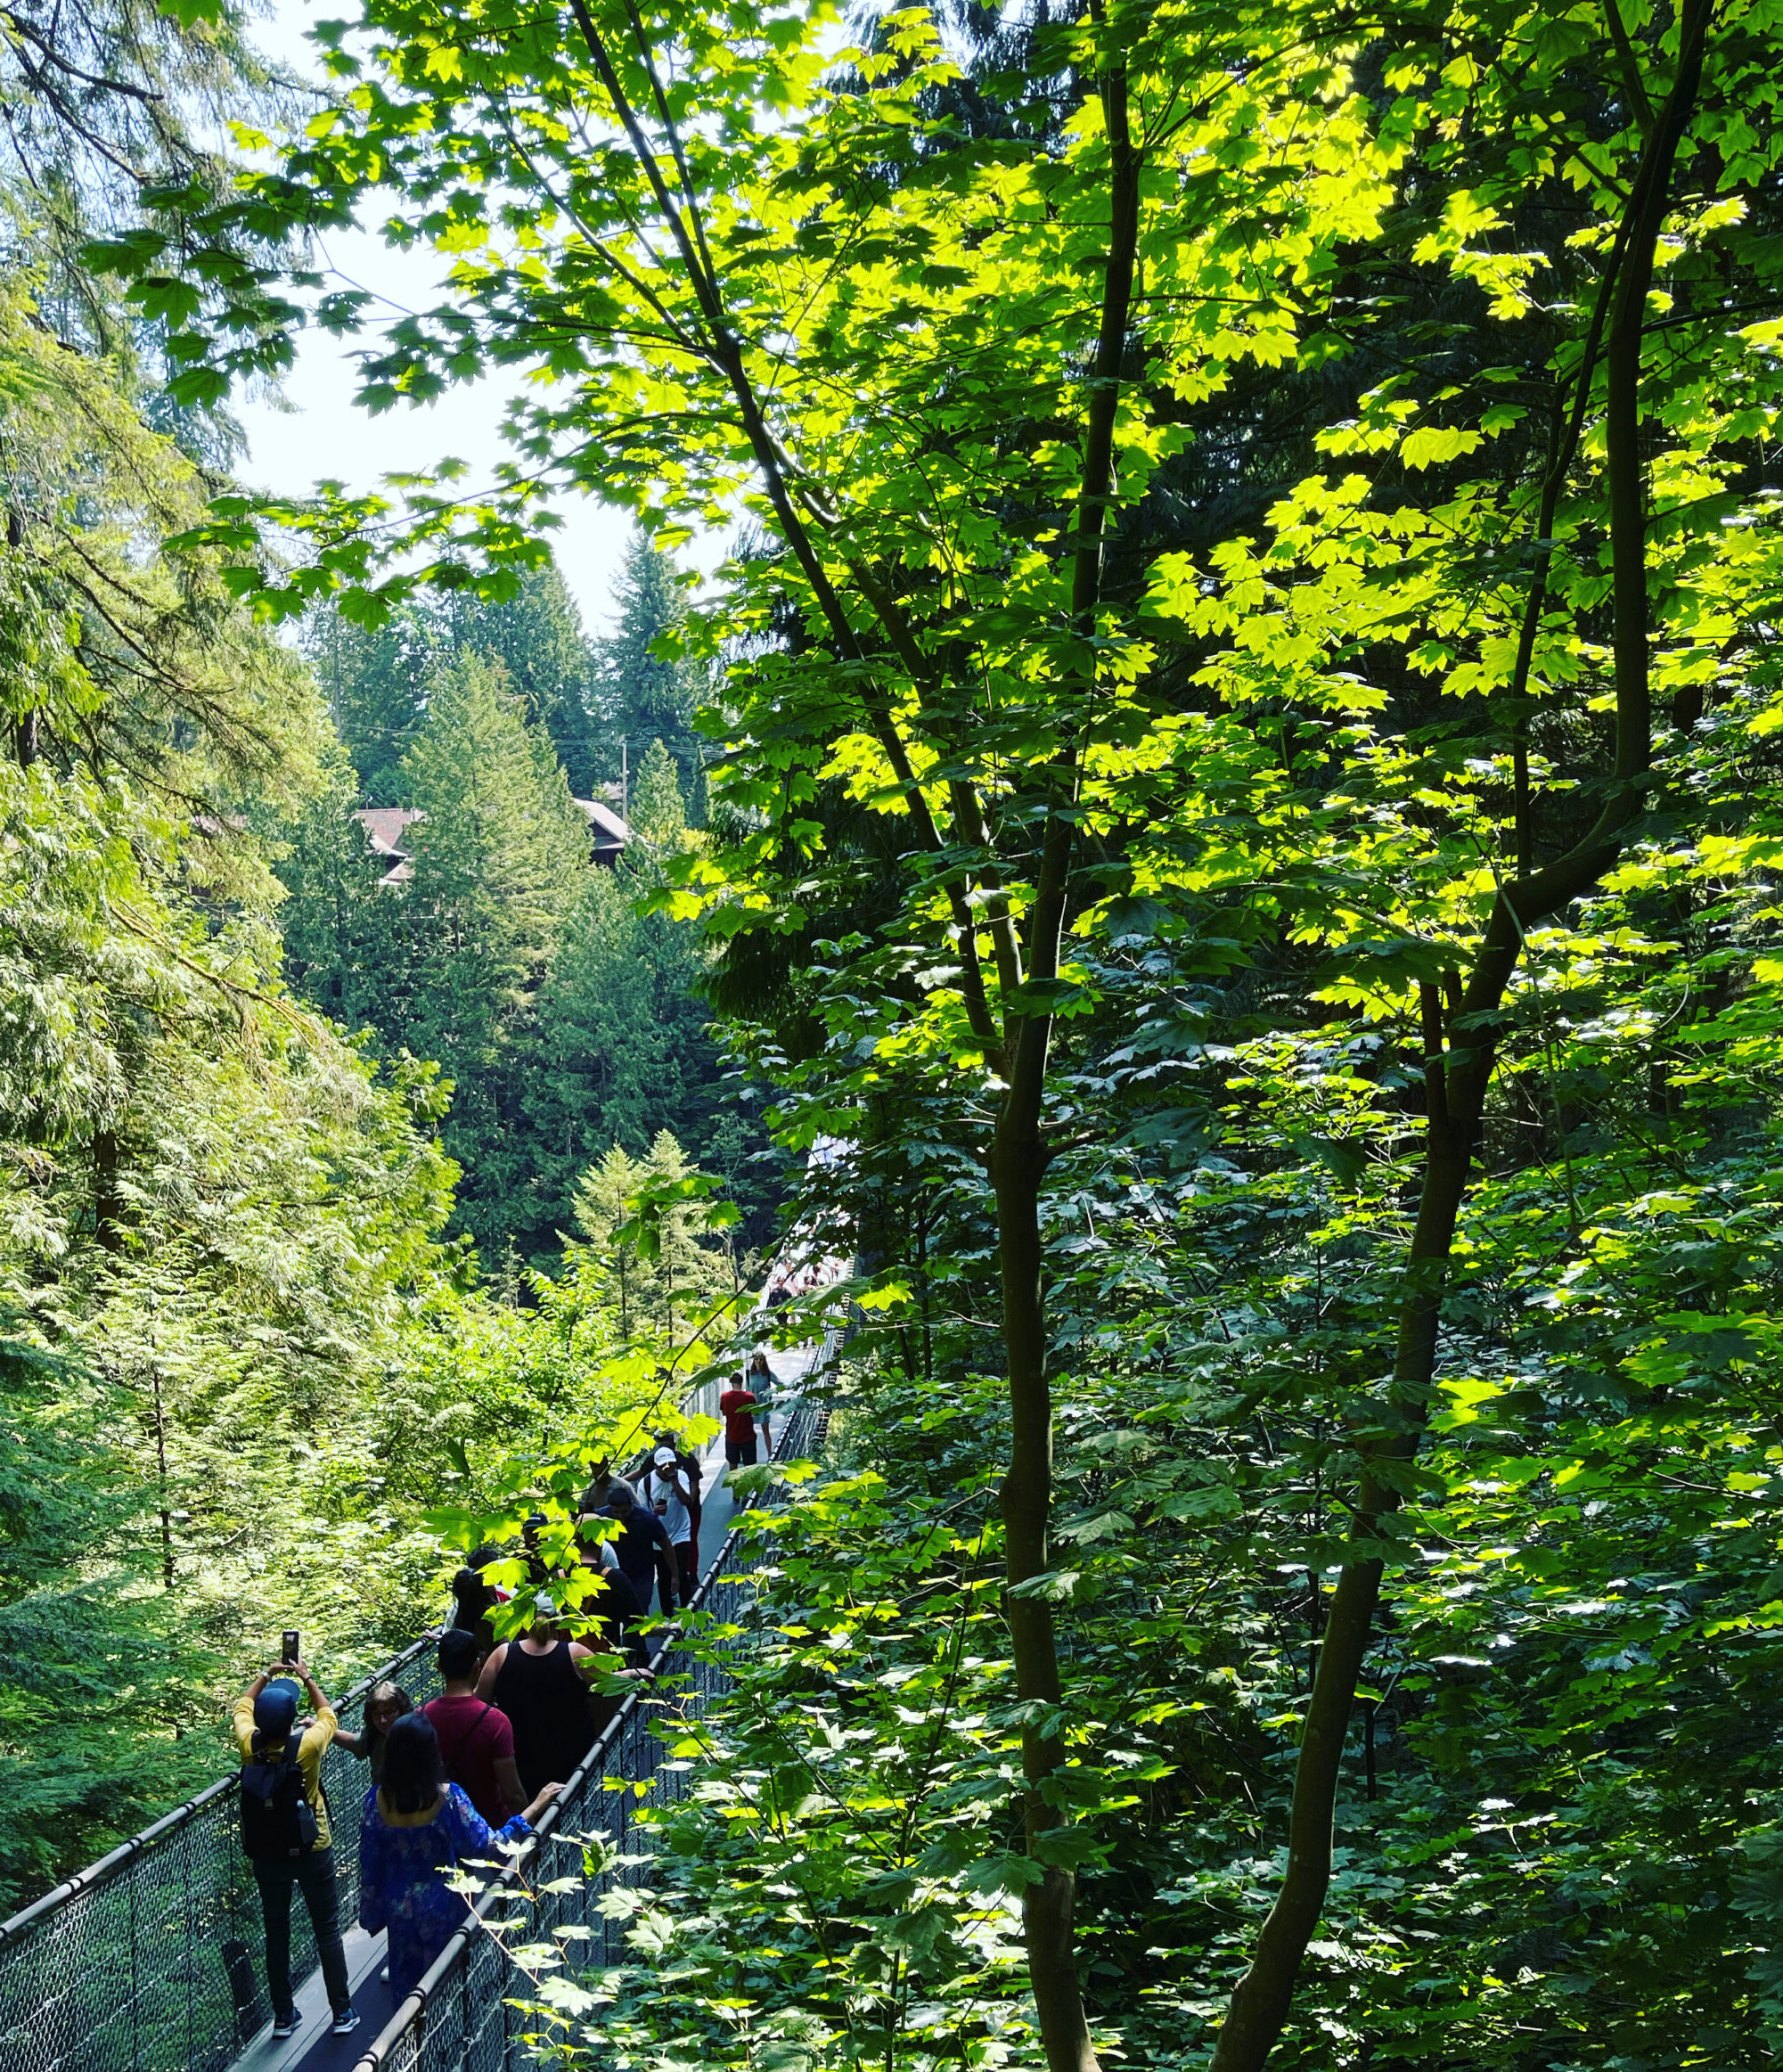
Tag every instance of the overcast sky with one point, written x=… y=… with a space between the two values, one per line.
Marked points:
x=323 y=434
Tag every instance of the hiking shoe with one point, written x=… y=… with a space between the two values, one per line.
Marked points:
x=286 y=2026
x=343 y=2024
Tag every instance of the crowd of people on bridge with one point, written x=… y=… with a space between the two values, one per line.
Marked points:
x=802 y=1275
x=455 y=1779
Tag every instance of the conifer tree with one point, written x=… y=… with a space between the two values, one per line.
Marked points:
x=500 y=854
x=643 y=696
x=538 y=638
x=685 y=1278
x=375 y=681
x=349 y=939
x=623 y=1050
x=659 y=810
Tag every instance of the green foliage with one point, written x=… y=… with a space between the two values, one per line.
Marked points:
x=644 y=1220
x=375 y=679
x=538 y=638
x=498 y=851
x=623 y=1050
x=237 y=1362
x=646 y=687
x=658 y=813
x=567 y=1019
x=1234 y=805
x=114 y=142
x=96 y=1675
x=837 y=1886
x=349 y=947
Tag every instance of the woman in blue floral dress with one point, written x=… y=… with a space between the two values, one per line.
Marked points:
x=417 y=1830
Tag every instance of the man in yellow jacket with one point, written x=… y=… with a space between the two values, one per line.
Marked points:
x=265 y=1719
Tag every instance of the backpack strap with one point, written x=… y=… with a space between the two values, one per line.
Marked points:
x=294 y=1755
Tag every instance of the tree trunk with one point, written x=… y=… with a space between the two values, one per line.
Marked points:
x=1018 y=1162
x=1260 y=2004
x=1019 y=1165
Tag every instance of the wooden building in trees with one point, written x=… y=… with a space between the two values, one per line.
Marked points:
x=385 y=827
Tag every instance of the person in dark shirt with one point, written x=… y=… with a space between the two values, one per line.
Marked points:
x=538 y=1574
x=542 y=1683
x=603 y=1616
x=610 y=1608
x=474 y=1598
x=641 y=1548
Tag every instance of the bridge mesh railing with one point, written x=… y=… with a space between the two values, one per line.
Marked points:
x=460 y=2018
x=150 y=1960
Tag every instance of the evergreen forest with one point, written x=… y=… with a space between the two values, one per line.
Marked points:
x=1215 y=826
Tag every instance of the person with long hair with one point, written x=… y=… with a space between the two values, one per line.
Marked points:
x=385 y=1705
x=759 y=1382
x=475 y=1597
x=418 y=1828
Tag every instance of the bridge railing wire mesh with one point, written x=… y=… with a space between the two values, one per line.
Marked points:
x=150 y=1960
x=459 y=2018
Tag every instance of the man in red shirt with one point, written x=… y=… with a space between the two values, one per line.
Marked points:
x=476 y=1739
x=737 y=1407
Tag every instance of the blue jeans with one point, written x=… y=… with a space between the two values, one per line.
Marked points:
x=313 y=1877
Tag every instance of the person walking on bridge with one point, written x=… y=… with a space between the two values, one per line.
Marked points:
x=759 y=1382
x=668 y=1490
x=476 y=1740
x=474 y=1598
x=641 y=1547
x=418 y=1828
x=285 y=1833
x=603 y=1607
x=541 y=1682
x=689 y=1463
x=737 y=1407
x=601 y=1484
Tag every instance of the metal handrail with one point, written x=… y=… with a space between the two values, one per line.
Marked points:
x=141 y=1961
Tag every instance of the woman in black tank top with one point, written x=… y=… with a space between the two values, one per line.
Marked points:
x=546 y=1701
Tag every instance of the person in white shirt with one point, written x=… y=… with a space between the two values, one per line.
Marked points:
x=669 y=1493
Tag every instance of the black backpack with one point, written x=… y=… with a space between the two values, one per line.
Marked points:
x=278 y=1823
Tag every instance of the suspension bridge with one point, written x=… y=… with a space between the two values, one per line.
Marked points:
x=150 y=1958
